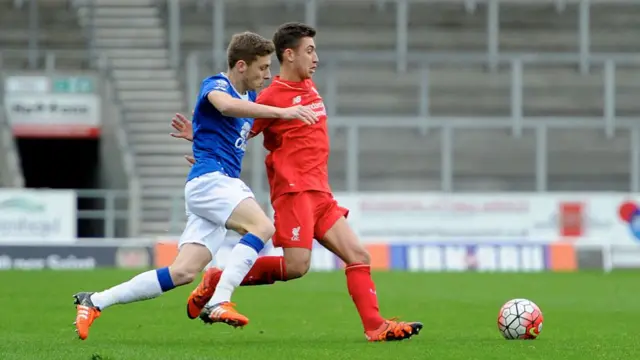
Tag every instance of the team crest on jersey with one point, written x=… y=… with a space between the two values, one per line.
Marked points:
x=221 y=85
x=241 y=142
x=297 y=99
x=295 y=234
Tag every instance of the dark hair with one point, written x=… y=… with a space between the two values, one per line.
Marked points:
x=248 y=46
x=288 y=36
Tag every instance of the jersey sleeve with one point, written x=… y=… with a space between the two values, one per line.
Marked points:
x=214 y=84
x=259 y=125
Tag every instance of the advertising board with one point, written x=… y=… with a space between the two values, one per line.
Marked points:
x=38 y=215
x=52 y=106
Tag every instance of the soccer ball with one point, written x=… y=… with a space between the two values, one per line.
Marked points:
x=520 y=319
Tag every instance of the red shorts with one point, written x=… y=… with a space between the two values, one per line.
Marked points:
x=303 y=216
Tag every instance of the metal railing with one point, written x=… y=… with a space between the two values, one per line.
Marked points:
x=109 y=213
x=44 y=59
x=447 y=128
x=516 y=62
x=10 y=168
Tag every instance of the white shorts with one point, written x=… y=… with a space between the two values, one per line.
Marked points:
x=209 y=201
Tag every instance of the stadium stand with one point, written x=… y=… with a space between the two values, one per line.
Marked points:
x=58 y=32
x=133 y=36
x=370 y=87
x=460 y=87
x=373 y=106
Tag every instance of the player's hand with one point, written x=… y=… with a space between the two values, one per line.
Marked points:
x=183 y=126
x=190 y=159
x=303 y=113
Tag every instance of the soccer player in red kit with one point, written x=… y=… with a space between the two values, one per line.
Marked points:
x=297 y=168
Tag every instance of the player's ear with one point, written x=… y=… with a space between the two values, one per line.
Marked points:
x=241 y=66
x=288 y=54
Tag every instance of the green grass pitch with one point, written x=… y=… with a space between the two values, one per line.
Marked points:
x=587 y=316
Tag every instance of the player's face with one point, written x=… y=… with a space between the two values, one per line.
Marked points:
x=258 y=72
x=305 y=59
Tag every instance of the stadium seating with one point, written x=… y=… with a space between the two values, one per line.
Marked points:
x=59 y=33
x=455 y=90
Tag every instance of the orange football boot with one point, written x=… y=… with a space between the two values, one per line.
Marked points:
x=203 y=292
x=392 y=330
x=86 y=313
x=224 y=313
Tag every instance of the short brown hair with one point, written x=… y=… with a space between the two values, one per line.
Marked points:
x=248 y=46
x=288 y=36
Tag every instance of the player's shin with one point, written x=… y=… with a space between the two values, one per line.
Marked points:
x=190 y=261
x=267 y=270
x=241 y=259
x=148 y=285
x=364 y=296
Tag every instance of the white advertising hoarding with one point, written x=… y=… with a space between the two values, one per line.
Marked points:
x=54 y=115
x=587 y=217
x=50 y=106
x=37 y=216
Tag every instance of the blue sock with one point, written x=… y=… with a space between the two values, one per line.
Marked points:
x=241 y=259
x=253 y=242
x=164 y=278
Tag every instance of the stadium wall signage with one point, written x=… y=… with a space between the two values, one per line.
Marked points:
x=53 y=106
x=30 y=215
x=78 y=257
x=584 y=218
x=92 y=254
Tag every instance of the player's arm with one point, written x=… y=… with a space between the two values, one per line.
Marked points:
x=229 y=106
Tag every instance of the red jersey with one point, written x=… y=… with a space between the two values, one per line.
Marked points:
x=298 y=153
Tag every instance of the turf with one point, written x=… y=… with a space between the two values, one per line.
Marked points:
x=587 y=316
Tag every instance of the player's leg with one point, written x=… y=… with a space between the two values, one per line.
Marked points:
x=294 y=220
x=249 y=220
x=294 y=224
x=192 y=257
x=238 y=210
x=292 y=211
x=337 y=236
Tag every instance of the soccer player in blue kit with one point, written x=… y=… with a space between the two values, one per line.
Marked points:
x=215 y=198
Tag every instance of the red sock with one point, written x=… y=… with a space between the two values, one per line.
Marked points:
x=363 y=293
x=266 y=270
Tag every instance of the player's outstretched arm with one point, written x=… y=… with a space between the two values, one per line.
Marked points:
x=183 y=126
x=228 y=106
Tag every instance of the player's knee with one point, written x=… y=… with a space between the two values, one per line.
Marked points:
x=263 y=229
x=182 y=275
x=359 y=255
x=297 y=267
x=363 y=256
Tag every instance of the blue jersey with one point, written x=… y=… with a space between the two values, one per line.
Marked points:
x=219 y=142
